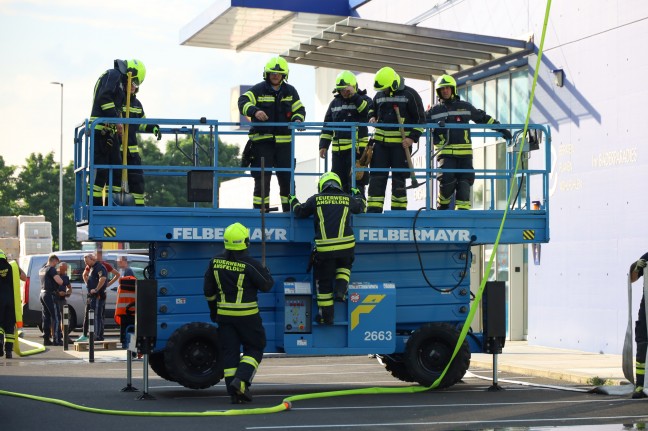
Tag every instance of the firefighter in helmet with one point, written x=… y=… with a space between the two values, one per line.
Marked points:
x=454 y=146
x=10 y=306
x=349 y=105
x=272 y=101
x=394 y=103
x=133 y=158
x=334 y=239
x=232 y=281
x=108 y=101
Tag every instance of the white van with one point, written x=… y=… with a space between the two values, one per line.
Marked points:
x=30 y=289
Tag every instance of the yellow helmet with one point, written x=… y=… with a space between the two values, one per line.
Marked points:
x=137 y=70
x=446 y=81
x=387 y=78
x=236 y=237
x=329 y=179
x=276 y=65
x=344 y=79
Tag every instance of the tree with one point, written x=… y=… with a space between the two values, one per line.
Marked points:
x=8 y=194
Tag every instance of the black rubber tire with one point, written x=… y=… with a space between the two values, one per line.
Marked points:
x=192 y=356
x=396 y=366
x=156 y=362
x=428 y=351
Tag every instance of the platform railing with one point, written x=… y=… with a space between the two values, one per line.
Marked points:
x=201 y=159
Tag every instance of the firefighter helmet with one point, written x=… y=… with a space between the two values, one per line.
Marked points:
x=446 y=81
x=344 y=79
x=329 y=179
x=137 y=70
x=276 y=65
x=387 y=78
x=2 y=255
x=236 y=237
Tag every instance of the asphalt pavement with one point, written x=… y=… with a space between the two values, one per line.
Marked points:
x=538 y=388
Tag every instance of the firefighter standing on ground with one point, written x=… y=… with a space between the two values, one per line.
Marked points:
x=454 y=146
x=389 y=148
x=349 y=105
x=272 y=101
x=232 y=281
x=10 y=276
x=334 y=239
x=641 y=331
x=136 y=176
x=108 y=100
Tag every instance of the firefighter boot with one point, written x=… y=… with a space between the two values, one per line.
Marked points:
x=8 y=350
x=326 y=315
x=639 y=393
x=340 y=294
x=241 y=389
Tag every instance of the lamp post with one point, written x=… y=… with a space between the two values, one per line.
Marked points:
x=60 y=229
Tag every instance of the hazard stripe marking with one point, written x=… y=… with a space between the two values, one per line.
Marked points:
x=110 y=232
x=528 y=234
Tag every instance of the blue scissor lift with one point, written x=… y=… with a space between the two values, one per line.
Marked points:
x=410 y=285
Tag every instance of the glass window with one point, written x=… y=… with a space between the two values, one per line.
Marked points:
x=519 y=93
x=503 y=112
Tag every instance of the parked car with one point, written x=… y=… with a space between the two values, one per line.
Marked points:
x=30 y=289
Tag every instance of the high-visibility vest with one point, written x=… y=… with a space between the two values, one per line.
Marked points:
x=125 y=298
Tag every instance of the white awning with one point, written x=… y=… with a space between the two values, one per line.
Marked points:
x=415 y=52
x=250 y=25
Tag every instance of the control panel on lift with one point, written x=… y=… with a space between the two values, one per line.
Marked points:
x=364 y=323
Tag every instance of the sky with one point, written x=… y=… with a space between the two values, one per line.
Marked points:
x=75 y=41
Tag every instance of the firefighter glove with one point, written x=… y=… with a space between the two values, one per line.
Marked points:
x=641 y=263
x=156 y=132
x=355 y=191
x=213 y=310
x=507 y=135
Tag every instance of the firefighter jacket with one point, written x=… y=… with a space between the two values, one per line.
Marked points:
x=232 y=281
x=356 y=109
x=136 y=111
x=455 y=142
x=411 y=110
x=109 y=96
x=281 y=106
x=332 y=209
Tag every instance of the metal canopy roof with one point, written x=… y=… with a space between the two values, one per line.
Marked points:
x=415 y=52
x=250 y=25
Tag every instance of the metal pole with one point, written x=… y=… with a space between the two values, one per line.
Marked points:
x=60 y=229
x=91 y=322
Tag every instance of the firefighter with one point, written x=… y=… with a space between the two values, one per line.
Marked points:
x=453 y=146
x=393 y=98
x=136 y=176
x=108 y=101
x=274 y=101
x=10 y=276
x=641 y=332
x=349 y=105
x=231 y=284
x=334 y=239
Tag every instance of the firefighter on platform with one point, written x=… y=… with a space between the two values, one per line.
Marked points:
x=272 y=101
x=453 y=146
x=349 y=105
x=232 y=281
x=393 y=100
x=10 y=276
x=136 y=110
x=334 y=239
x=108 y=101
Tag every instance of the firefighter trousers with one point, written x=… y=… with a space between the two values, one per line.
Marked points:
x=387 y=156
x=275 y=156
x=341 y=165
x=641 y=338
x=135 y=178
x=455 y=184
x=241 y=333
x=106 y=152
